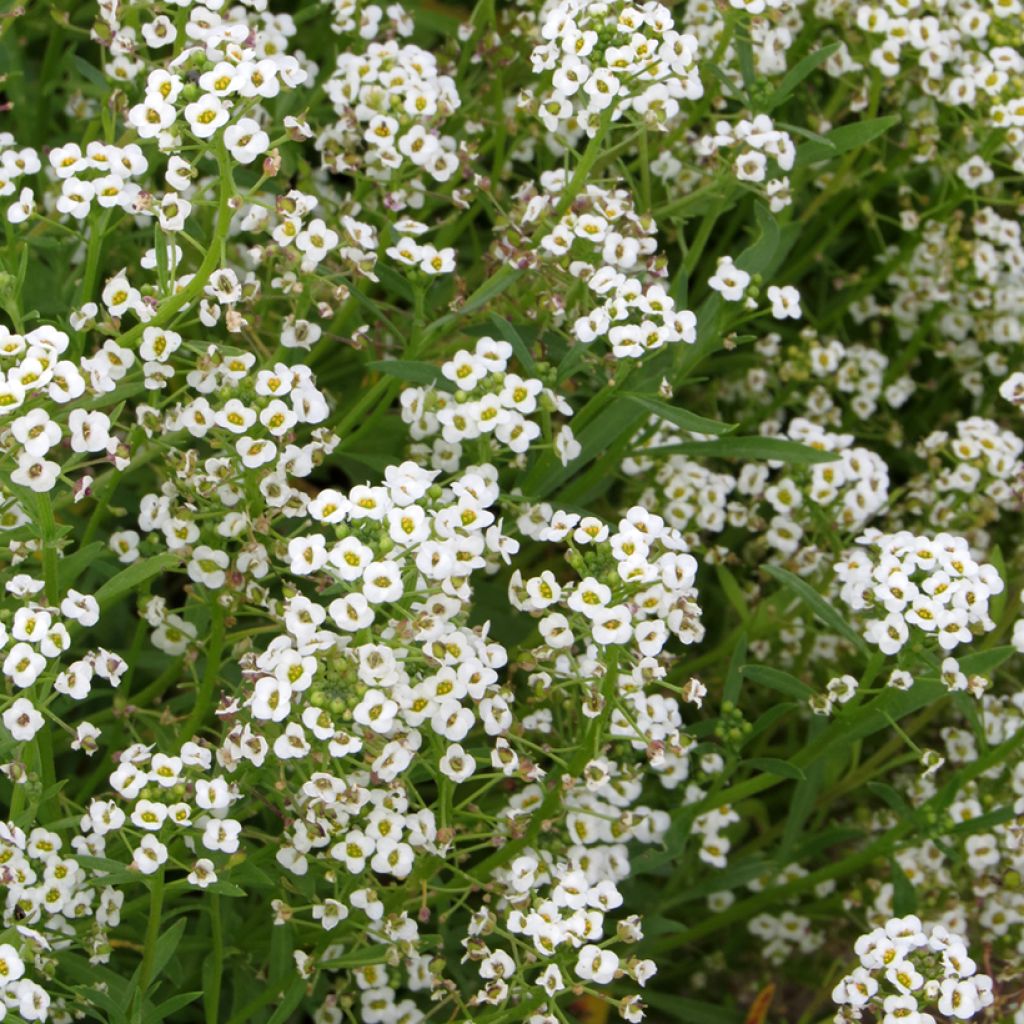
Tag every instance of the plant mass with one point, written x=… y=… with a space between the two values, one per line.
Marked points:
x=509 y=511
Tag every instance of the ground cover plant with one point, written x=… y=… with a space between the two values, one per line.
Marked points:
x=510 y=511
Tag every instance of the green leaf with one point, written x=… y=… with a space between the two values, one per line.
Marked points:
x=692 y=1011
x=803 y=799
x=413 y=371
x=72 y=566
x=776 y=679
x=797 y=73
x=166 y=945
x=776 y=766
x=165 y=1009
x=135 y=574
x=682 y=418
x=845 y=138
x=90 y=72
x=774 y=449
x=817 y=604
x=493 y=287
x=227 y=889
x=357 y=958
x=770 y=717
x=733 y=592
x=904 y=898
x=292 y=997
x=982 y=663
x=734 y=675
x=891 y=796
x=616 y=421
x=508 y=333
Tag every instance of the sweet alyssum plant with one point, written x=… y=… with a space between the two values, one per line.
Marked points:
x=509 y=511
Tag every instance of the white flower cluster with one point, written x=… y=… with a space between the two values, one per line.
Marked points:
x=644 y=594
x=32 y=647
x=612 y=56
x=312 y=242
x=850 y=490
x=771 y=37
x=761 y=151
x=952 y=54
x=971 y=281
x=45 y=890
x=368 y=20
x=602 y=228
x=235 y=74
x=391 y=103
x=634 y=318
x=488 y=401
x=906 y=964
x=785 y=935
x=690 y=496
x=171 y=802
x=904 y=582
x=972 y=476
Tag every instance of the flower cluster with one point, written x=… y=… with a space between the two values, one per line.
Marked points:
x=904 y=582
x=609 y=57
x=905 y=964
x=485 y=402
x=391 y=103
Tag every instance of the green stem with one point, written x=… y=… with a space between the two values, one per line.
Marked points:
x=211 y=994
x=211 y=671
x=171 y=305
x=156 y=904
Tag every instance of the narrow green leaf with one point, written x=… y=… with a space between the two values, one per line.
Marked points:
x=797 y=73
x=845 y=138
x=734 y=675
x=776 y=679
x=292 y=997
x=508 y=333
x=904 y=898
x=770 y=717
x=494 y=286
x=692 y=1011
x=130 y=578
x=165 y=1009
x=775 y=449
x=760 y=257
x=891 y=796
x=72 y=566
x=226 y=889
x=733 y=592
x=817 y=604
x=166 y=945
x=90 y=72
x=776 y=766
x=682 y=418
x=413 y=371
x=982 y=663
x=357 y=958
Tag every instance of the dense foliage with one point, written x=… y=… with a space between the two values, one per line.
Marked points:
x=509 y=511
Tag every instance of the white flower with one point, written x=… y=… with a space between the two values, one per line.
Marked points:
x=150 y=855
x=22 y=720
x=785 y=302
x=205 y=116
x=40 y=475
x=729 y=281
x=246 y=140
x=202 y=873
x=597 y=965
x=90 y=431
x=222 y=835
